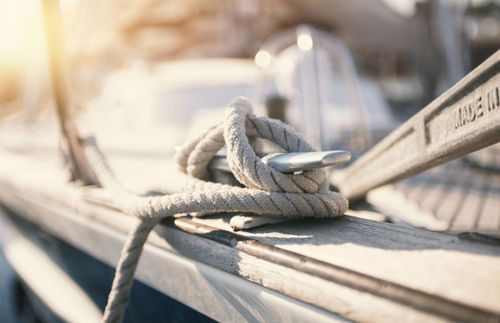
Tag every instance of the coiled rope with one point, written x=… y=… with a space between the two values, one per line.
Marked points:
x=267 y=191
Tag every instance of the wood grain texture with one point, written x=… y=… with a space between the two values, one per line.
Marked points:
x=444 y=268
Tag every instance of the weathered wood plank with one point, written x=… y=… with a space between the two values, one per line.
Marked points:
x=335 y=297
x=215 y=293
x=416 y=258
x=437 y=267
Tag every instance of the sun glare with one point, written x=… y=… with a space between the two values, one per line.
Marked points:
x=20 y=32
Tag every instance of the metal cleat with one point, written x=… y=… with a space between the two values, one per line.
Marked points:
x=291 y=162
x=284 y=162
x=299 y=162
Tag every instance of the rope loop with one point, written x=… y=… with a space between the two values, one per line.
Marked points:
x=244 y=163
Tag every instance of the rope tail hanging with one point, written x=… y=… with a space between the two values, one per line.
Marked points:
x=267 y=191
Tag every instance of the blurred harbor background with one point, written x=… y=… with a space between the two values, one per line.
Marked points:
x=414 y=49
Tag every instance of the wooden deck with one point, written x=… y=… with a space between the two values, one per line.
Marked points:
x=457 y=197
x=346 y=268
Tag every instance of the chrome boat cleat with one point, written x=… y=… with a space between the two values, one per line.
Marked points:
x=290 y=162
x=299 y=162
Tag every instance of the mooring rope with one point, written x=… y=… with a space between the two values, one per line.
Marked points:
x=266 y=192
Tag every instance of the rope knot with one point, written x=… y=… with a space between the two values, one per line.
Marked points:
x=268 y=191
x=244 y=163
